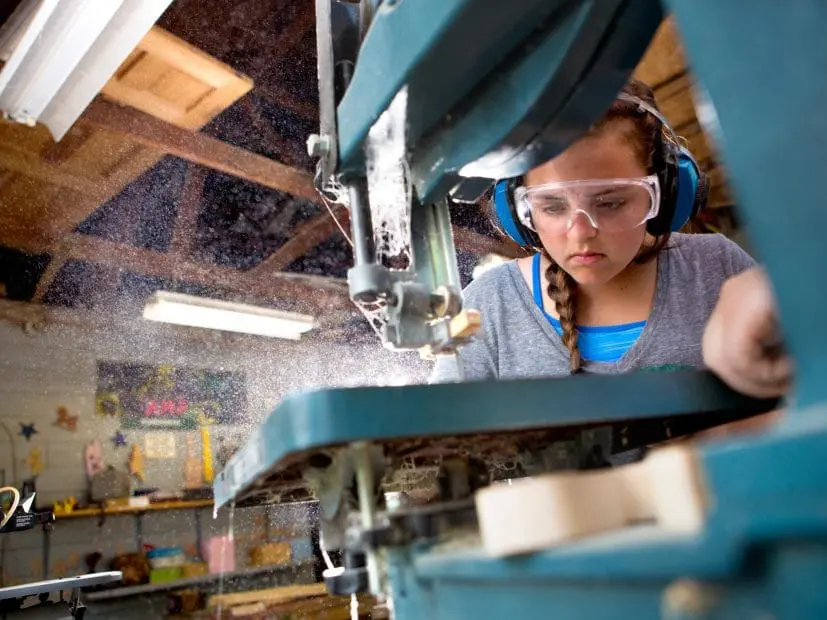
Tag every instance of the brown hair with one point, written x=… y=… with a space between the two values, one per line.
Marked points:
x=645 y=134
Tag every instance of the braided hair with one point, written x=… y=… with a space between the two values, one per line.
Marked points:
x=644 y=135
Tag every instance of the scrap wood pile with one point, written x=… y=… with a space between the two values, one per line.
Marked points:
x=283 y=603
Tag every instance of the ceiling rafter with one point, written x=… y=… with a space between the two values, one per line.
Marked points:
x=58 y=260
x=186 y=217
x=199 y=148
x=295 y=30
x=212 y=153
x=316 y=290
x=475 y=243
x=306 y=237
x=284 y=99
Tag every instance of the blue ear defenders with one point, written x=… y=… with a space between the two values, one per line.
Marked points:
x=683 y=185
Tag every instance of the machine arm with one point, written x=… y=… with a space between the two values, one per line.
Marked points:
x=487 y=89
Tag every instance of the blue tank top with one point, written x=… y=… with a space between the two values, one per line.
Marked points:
x=598 y=344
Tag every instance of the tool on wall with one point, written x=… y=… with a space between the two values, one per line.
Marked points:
x=136 y=462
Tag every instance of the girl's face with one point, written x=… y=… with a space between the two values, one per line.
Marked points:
x=590 y=256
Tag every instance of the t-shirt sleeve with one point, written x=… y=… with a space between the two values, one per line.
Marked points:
x=476 y=361
x=479 y=356
x=736 y=259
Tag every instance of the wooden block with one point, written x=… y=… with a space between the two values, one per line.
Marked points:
x=677 y=489
x=195 y=569
x=247 y=611
x=532 y=514
x=545 y=511
x=271 y=554
x=465 y=324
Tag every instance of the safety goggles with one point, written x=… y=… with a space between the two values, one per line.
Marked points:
x=609 y=205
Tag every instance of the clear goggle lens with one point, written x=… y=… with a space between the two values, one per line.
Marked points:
x=612 y=205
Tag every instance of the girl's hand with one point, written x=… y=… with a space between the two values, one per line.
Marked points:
x=741 y=342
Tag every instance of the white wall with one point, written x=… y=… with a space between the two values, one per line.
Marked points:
x=57 y=367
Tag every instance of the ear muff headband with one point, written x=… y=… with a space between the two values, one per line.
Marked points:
x=506 y=214
x=691 y=196
x=691 y=183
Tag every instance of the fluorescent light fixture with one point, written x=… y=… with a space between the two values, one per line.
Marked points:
x=192 y=311
x=58 y=55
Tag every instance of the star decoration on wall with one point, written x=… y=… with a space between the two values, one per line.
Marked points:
x=35 y=461
x=27 y=430
x=119 y=439
x=66 y=421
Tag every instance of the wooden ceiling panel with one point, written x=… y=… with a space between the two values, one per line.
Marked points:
x=33 y=214
x=678 y=108
x=664 y=58
x=697 y=142
x=176 y=82
x=22 y=139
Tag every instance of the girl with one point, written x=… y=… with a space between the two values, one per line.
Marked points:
x=611 y=287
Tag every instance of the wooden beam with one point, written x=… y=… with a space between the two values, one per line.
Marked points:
x=266 y=129
x=186 y=218
x=294 y=31
x=30 y=316
x=56 y=263
x=207 y=151
x=32 y=166
x=475 y=243
x=198 y=148
x=6 y=176
x=319 y=291
x=306 y=237
x=69 y=145
x=270 y=596
x=284 y=99
x=664 y=56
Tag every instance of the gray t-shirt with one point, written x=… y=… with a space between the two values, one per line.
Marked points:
x=517 y=341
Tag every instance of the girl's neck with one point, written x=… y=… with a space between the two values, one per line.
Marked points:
x=626 y=298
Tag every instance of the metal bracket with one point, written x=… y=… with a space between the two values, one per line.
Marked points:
x=324 y=144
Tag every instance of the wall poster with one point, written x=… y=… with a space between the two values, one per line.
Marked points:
x=163 y=396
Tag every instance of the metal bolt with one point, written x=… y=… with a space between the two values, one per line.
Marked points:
x=23 y=118
x=318 y=146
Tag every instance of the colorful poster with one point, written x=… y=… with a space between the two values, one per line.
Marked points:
x=164 y=396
